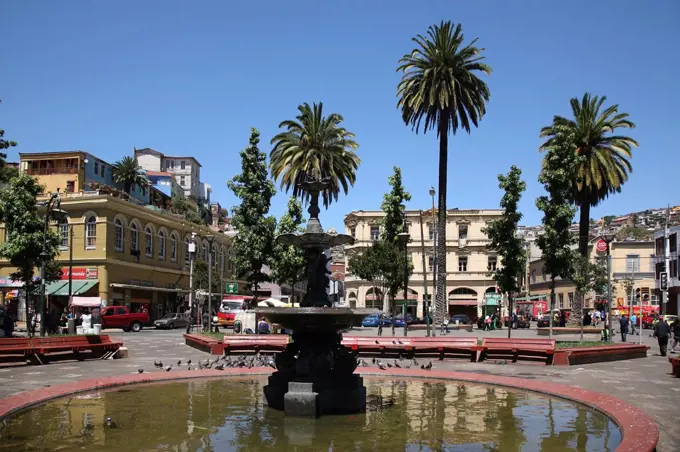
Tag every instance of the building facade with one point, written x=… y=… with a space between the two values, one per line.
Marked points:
x=673 y=303
x=73 y=172
x=186 y=170
x=469 y=286
x=166 y=183
x=126 y=254
x=630 y=260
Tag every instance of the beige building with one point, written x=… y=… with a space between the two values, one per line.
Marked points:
x=468 y=259
x=629 y=259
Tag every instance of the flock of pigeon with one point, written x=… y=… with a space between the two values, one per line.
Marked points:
x=400 y=363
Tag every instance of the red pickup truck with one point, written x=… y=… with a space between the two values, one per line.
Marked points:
x=121 y=317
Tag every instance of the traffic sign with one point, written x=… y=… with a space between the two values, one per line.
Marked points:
x=664 y=280
x=601 y=246
x=231 y=287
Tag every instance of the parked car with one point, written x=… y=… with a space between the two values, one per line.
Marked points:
x=370 y=321
x=121 y=317
x=171 y=320
x=399 y=320
x=460 y=318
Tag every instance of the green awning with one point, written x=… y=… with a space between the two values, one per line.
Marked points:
x=77 y=287
x=53 y=287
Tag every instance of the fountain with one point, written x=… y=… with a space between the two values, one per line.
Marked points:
x=315 y=373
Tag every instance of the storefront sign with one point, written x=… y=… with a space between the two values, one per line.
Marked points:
x=140 y=282
x=231 y=288
x=9 y=282
x=80 y=273
x=601 y=246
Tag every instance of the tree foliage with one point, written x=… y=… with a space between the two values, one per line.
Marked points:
x=395 y=210
x=440 y=86
x=605 y=157
x=503 y=235
x=5 y=144
x=182 y=206
x=315 y=146
x=128 y=172
x=201 y=277
x=24 y=226
x=254 y=242
x=588 y=277
x=289 y=264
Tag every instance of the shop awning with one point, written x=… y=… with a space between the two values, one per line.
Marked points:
x=54 y=286
x=462 y=302
x=77 y=287
x=88 y=302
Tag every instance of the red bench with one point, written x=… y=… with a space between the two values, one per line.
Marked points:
x=255 y=343
x=675 y=362
x=15 y=349
x=95 y=345
x=518 y=349
x=451 y=347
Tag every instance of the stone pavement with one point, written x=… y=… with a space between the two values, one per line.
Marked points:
x=645 y=383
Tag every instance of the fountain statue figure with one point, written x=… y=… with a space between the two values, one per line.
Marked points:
x=315 y=373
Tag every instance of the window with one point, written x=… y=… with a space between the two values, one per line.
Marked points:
x=91 y=233
x=96 y=167
x=462 y=231
x=187 y=254
x=173 y=248
x=430 y=263
x=149 y=242
x=103 y=172
x=375 y=233
x=462 y=264
x=222 y=260
x=673 y=242
x=673 y=265
x=161 y=245
x=491 y=264
x=205 y=251
x=70 y=186
x=63 y=235
x=633 y=263
x=214 y=257
x=182 y=164
x=571 y=299
x=120 y=234
x=182 y=181
x=353 y=232
x=431 y=231
x=533 y=276
x=561 y=298
x=134 y=238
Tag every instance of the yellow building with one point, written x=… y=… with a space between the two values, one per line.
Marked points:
x=128 y=254
x=629 y=259
x=468 y=260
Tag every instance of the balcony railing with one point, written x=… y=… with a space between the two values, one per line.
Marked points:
x=50 y=171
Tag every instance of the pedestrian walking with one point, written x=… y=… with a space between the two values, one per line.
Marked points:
x=633 y=322
x=661 y=333
x=444 y=325
x=676 y=334
x=380 y=324
x=624 y=327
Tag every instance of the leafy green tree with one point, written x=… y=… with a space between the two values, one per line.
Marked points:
x=605 y=162
x=182 y=206
x=289 y=264
x=128 y=172
x=587 y=277
x=5 y=144
x=24 y=227
x=393 y=224
x=201 y=277
x=254 y=242
x=504 y=239
x=557 y=176
x=370 y=265
x=440 y=86
x=315 y=146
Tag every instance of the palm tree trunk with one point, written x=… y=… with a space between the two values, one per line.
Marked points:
x=584 y=227
x=440 y=301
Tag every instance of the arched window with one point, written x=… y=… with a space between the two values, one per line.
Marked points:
x=222 y=259
x=205 y=251
x=63 y=234
x=187 y=254
x=214 y=256
x=161 y=245
x=120 y=234
x=173 y=248
x=149 y=242
x=91 y=233
x=134 y=237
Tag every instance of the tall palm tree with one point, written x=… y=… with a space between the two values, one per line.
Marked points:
x=440 y=85
x=314 y=146
x=128 y=172
x=604 y=162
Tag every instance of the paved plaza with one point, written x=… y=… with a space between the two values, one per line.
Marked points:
x=646 y=383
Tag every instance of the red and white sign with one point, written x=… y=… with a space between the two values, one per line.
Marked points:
x=601 y=246
x=80 y=273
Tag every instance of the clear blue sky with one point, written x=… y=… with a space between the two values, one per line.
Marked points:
x=193 y=77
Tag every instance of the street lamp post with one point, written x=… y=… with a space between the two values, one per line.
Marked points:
x=53 y=210
x=608 y=238
x=405 y=237
x=434 y=268
x=192 y=308
x=211 y=240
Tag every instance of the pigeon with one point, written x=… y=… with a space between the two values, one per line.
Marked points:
x=141 y=371
x=109 y=423
x=219 y=367
x=179 y=362
x=389 y=365
x=168 y=368
x=427 y=366
x=200 y=365
x=381 y=366
x=158 y=364
x=377 y=342
x=373 y=360
x=189 y=368
x=188 y=362
x=407 y=365
x=415 y=363
x=396 y=364
x=395 y=342
x=363 y=363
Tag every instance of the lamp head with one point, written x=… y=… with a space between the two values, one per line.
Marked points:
x=432 y=192
x=404 y=237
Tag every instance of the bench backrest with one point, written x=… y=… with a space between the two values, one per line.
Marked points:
x=259 y=339
x=445 y=340
x=15 y=342
x=548 y=343
x=70 y=340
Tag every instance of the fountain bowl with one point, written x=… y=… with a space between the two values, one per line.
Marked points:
x=320 y=320
x=315 y=240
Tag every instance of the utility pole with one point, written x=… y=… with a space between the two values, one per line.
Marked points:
x=426 y=298
x=192 y=252
x=666 y=258
x=211 y=240
x=70 y=267
x=434 y=252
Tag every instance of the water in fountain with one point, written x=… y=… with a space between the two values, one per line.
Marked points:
x=315 y=373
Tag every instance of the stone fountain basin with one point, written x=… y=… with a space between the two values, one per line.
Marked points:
x=315 y=240
x=315 y=319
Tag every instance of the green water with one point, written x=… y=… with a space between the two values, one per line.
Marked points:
x=230 y=415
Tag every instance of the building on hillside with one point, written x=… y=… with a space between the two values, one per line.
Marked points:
x=469 y=288
x=126 y=254
x=186 y=170
x=74 y=172
x=166 y=183
x=629 y=260
x=673 y=304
